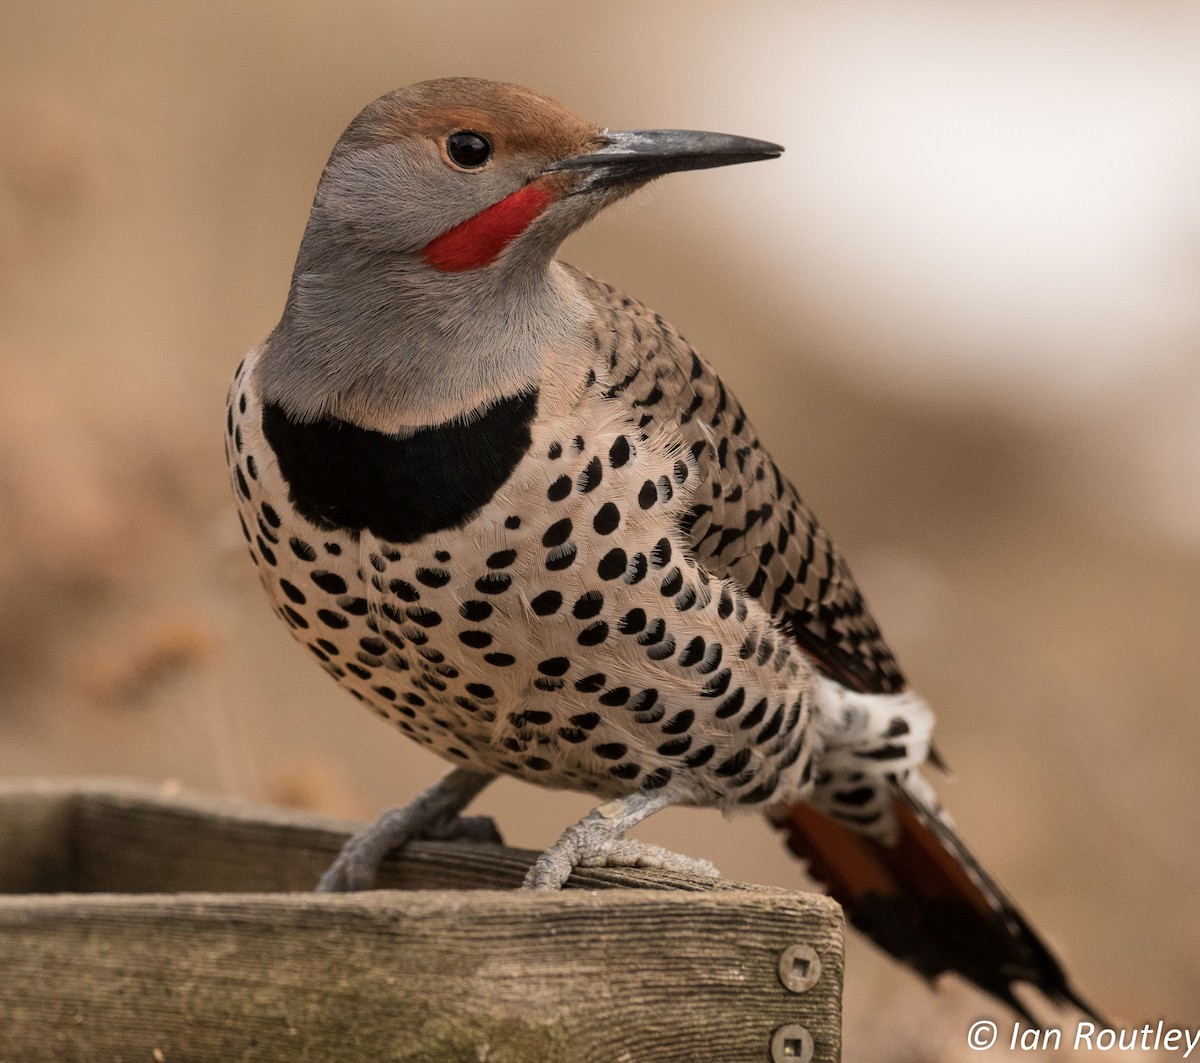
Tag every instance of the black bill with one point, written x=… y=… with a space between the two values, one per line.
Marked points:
x=641 y=154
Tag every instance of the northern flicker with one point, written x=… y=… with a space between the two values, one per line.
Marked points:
x=516 y=515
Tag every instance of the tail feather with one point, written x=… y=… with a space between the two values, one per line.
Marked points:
x=925 y=899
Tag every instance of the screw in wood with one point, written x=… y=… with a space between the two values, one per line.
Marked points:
x=791 y=1044
x=799 y=968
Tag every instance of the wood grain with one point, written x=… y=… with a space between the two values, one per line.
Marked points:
x=137 y=922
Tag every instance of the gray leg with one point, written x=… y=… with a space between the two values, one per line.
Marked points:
x=434 y=814
x=598 y=840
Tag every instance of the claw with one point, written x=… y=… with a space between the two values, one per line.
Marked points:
x=598 y=840
x=434 y=814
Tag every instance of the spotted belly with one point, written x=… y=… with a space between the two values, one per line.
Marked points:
x=560 y=633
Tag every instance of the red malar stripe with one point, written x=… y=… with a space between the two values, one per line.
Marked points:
x=479 y=240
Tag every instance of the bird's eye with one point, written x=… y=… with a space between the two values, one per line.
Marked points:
x=468 y=150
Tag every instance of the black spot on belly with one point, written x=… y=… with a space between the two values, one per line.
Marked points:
x=475 y=611
x=676 y=747
x=593 y=634
x=493 y=583
x=680 y=723
x=612 y=564
x=657 y=779
x=557 y=533
x=732 y=704
x=725 y=604
x=606 y=520
x=292 y=592
x=734 y=764
x=343 y=476
x=403 y=590
x=588 y=605
x=563 y=557
x=611 y=750
x=590 y=478
x=618 y=453
x=755 y=716
x=637 y=569
x=425 y=617
x=302 y=549
x=294 y=618
x=433 y=577
x=632 y=622
x=772 y=728
x=546 y=603
x=329 y=581
x=672 y=584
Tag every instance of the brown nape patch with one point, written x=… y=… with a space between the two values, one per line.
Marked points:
x=516 y=120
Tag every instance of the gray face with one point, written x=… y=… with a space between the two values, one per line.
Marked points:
x=398 y=196
x=373 y=333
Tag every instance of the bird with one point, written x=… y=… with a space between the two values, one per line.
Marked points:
x=514 y=513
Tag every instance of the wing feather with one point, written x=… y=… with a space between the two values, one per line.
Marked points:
x=747 y=522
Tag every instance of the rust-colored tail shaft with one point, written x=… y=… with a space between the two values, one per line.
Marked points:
x=928 y=902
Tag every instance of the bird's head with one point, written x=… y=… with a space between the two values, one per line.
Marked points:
x=425 y=285
x=460 y=173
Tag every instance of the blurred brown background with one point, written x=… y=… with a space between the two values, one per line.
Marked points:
x=962 y=310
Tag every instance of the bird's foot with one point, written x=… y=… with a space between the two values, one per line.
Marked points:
x=433 y=815
x=597 y=841
x=480 y=829
x=357 y=865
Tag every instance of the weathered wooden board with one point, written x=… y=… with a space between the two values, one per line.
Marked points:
x=137 y=926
